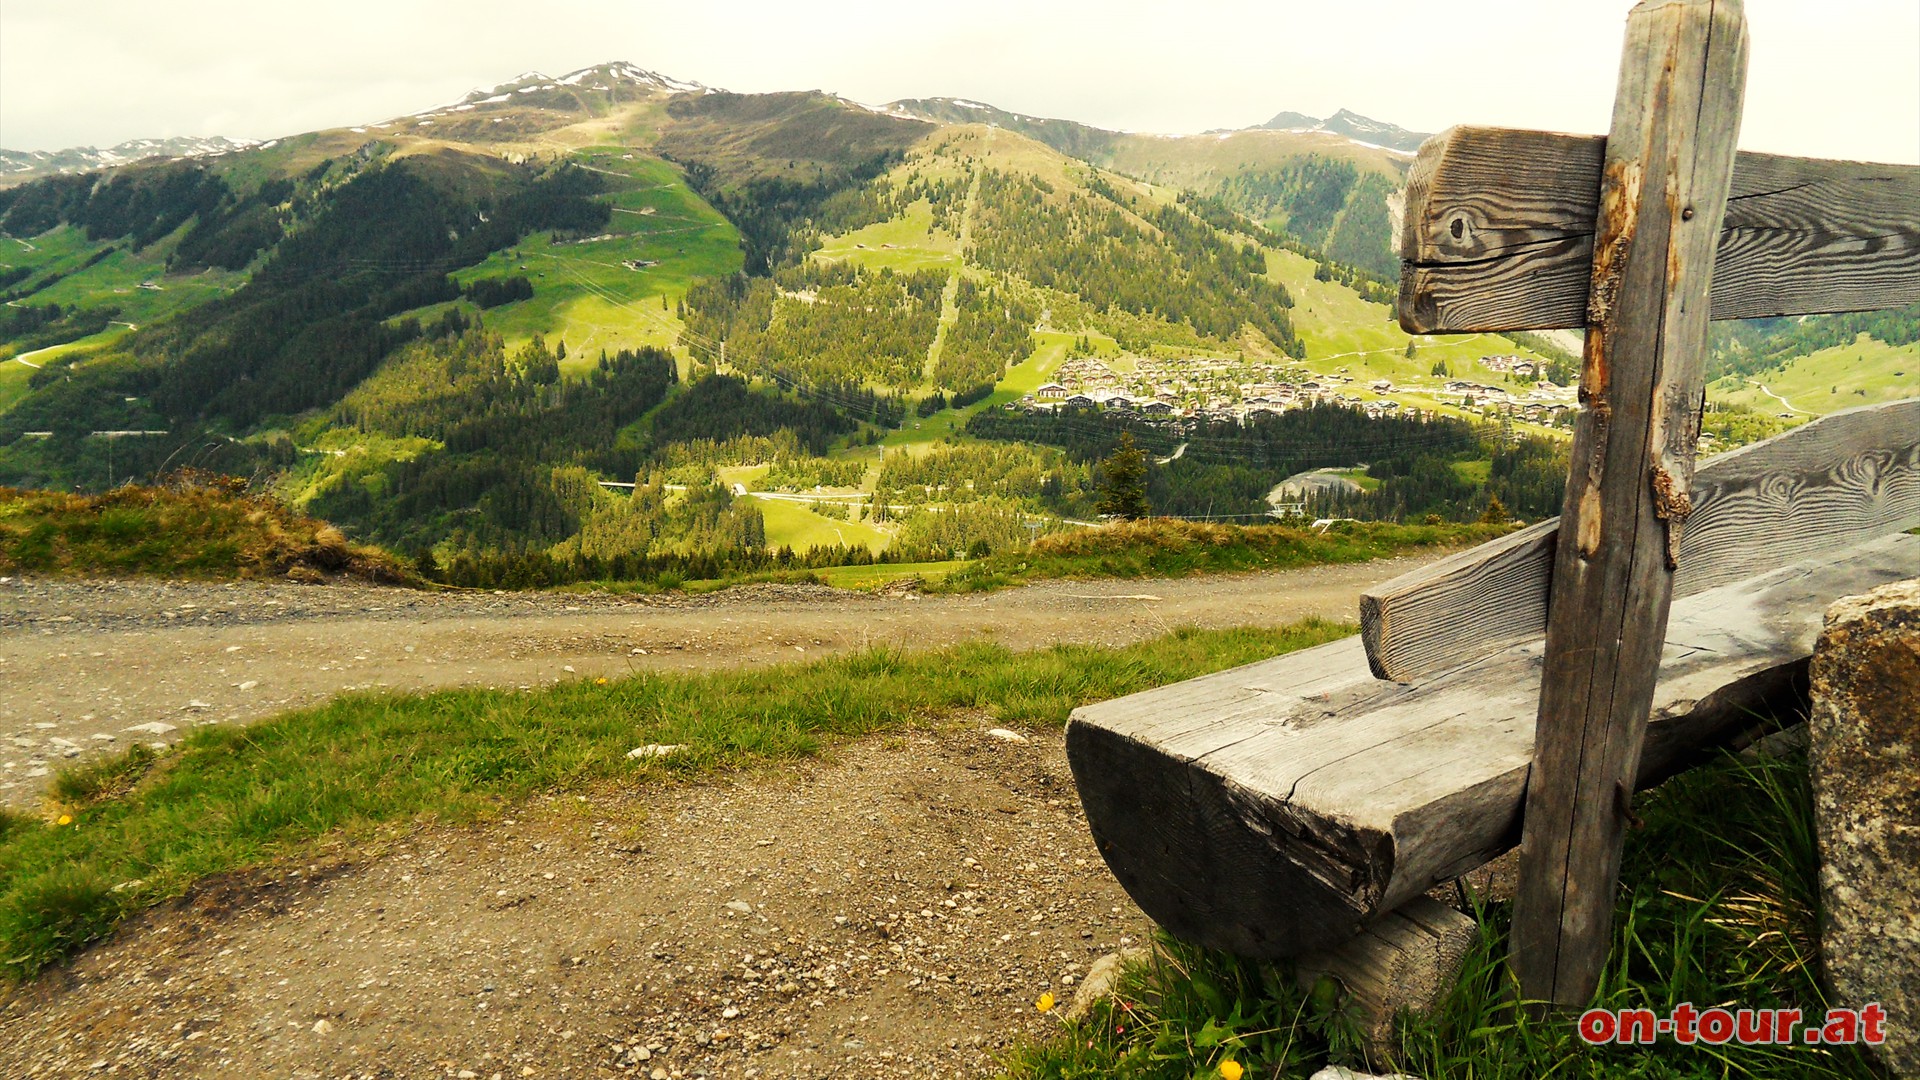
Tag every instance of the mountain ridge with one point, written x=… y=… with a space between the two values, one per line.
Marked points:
x=1072 y=137
x=72 y=159
x=1352 y=125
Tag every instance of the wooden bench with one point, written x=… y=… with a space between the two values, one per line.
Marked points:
x=1278 y=808
x=1519 y=692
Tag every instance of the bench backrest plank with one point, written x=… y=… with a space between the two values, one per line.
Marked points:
x=1821 y=487
x=1497 y=234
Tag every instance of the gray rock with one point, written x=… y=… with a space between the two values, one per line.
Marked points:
x=1864 y=730
x=1341 y=1072
x=1100 y=980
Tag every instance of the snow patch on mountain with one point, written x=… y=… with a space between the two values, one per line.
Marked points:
x=87 y=158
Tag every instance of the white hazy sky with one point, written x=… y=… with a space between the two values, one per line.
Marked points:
x=1830 y=78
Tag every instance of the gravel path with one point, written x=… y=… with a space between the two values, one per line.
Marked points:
x=890 y=909
x=92 y=665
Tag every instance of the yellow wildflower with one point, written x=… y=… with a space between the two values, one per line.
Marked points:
x=1045 y=1004
x=1231 y=1070
x=601 y=681
x=66 y=819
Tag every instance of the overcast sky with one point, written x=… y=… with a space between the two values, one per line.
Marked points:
x=1831 y=78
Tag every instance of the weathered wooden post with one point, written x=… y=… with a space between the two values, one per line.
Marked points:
x=1668 y=168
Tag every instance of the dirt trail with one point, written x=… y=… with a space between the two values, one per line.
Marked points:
x=943 y=879
x=90 y=666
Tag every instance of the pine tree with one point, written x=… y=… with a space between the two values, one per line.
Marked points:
x=1124 y=477
x=1495 y=513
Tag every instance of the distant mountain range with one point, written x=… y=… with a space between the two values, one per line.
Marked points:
x=1067 y=136
x=19 y=164
x=1354 y=126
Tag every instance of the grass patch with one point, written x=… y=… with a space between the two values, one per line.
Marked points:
x=880 y=575
x=192 y=526
x=795 y=525
x=230 y=798
x=1719 y=905
x=1163 y=547
x=1866 y=371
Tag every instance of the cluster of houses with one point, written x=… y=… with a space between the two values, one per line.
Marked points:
x=1513 y=365
x=1197 y=387
x=1543 y=404
x=1212 y=388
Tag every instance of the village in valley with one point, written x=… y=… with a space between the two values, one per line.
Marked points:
x=1212 y=388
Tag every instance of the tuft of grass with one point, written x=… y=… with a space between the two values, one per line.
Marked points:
x=1719 y=906
x=192 y=525
x=1164 y=547
x=101 y=779
x=230 y=798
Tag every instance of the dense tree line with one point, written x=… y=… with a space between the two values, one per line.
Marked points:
x=723 y=407
x=492 y=292
x=774 y=213
x=517 y=443
x=1363 y=235
x=1306 y=195
x=992 y=329
x=1120 y=253
x=818 y=324
x=1227 y=469
x=1036 y=477
x=314 y=321
x=37 y=326
x=703 y=519
x=530 y=568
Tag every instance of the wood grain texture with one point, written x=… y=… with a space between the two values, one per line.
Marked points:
x=1820 y=487
x=1407 y=961
x=1281 y=807
x=1497 y=234
x=1663 y=191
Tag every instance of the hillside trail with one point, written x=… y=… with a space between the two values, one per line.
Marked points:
x=943 y=878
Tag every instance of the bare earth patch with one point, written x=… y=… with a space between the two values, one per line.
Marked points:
x=893 y=909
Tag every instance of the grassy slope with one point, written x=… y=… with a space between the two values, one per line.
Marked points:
x=1169 y=548
x=115 y=280
x=231 y=798
x=584 y=295
x=13 y=382
x=1863 y=373
x=184 y=530
x=1200 y=161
